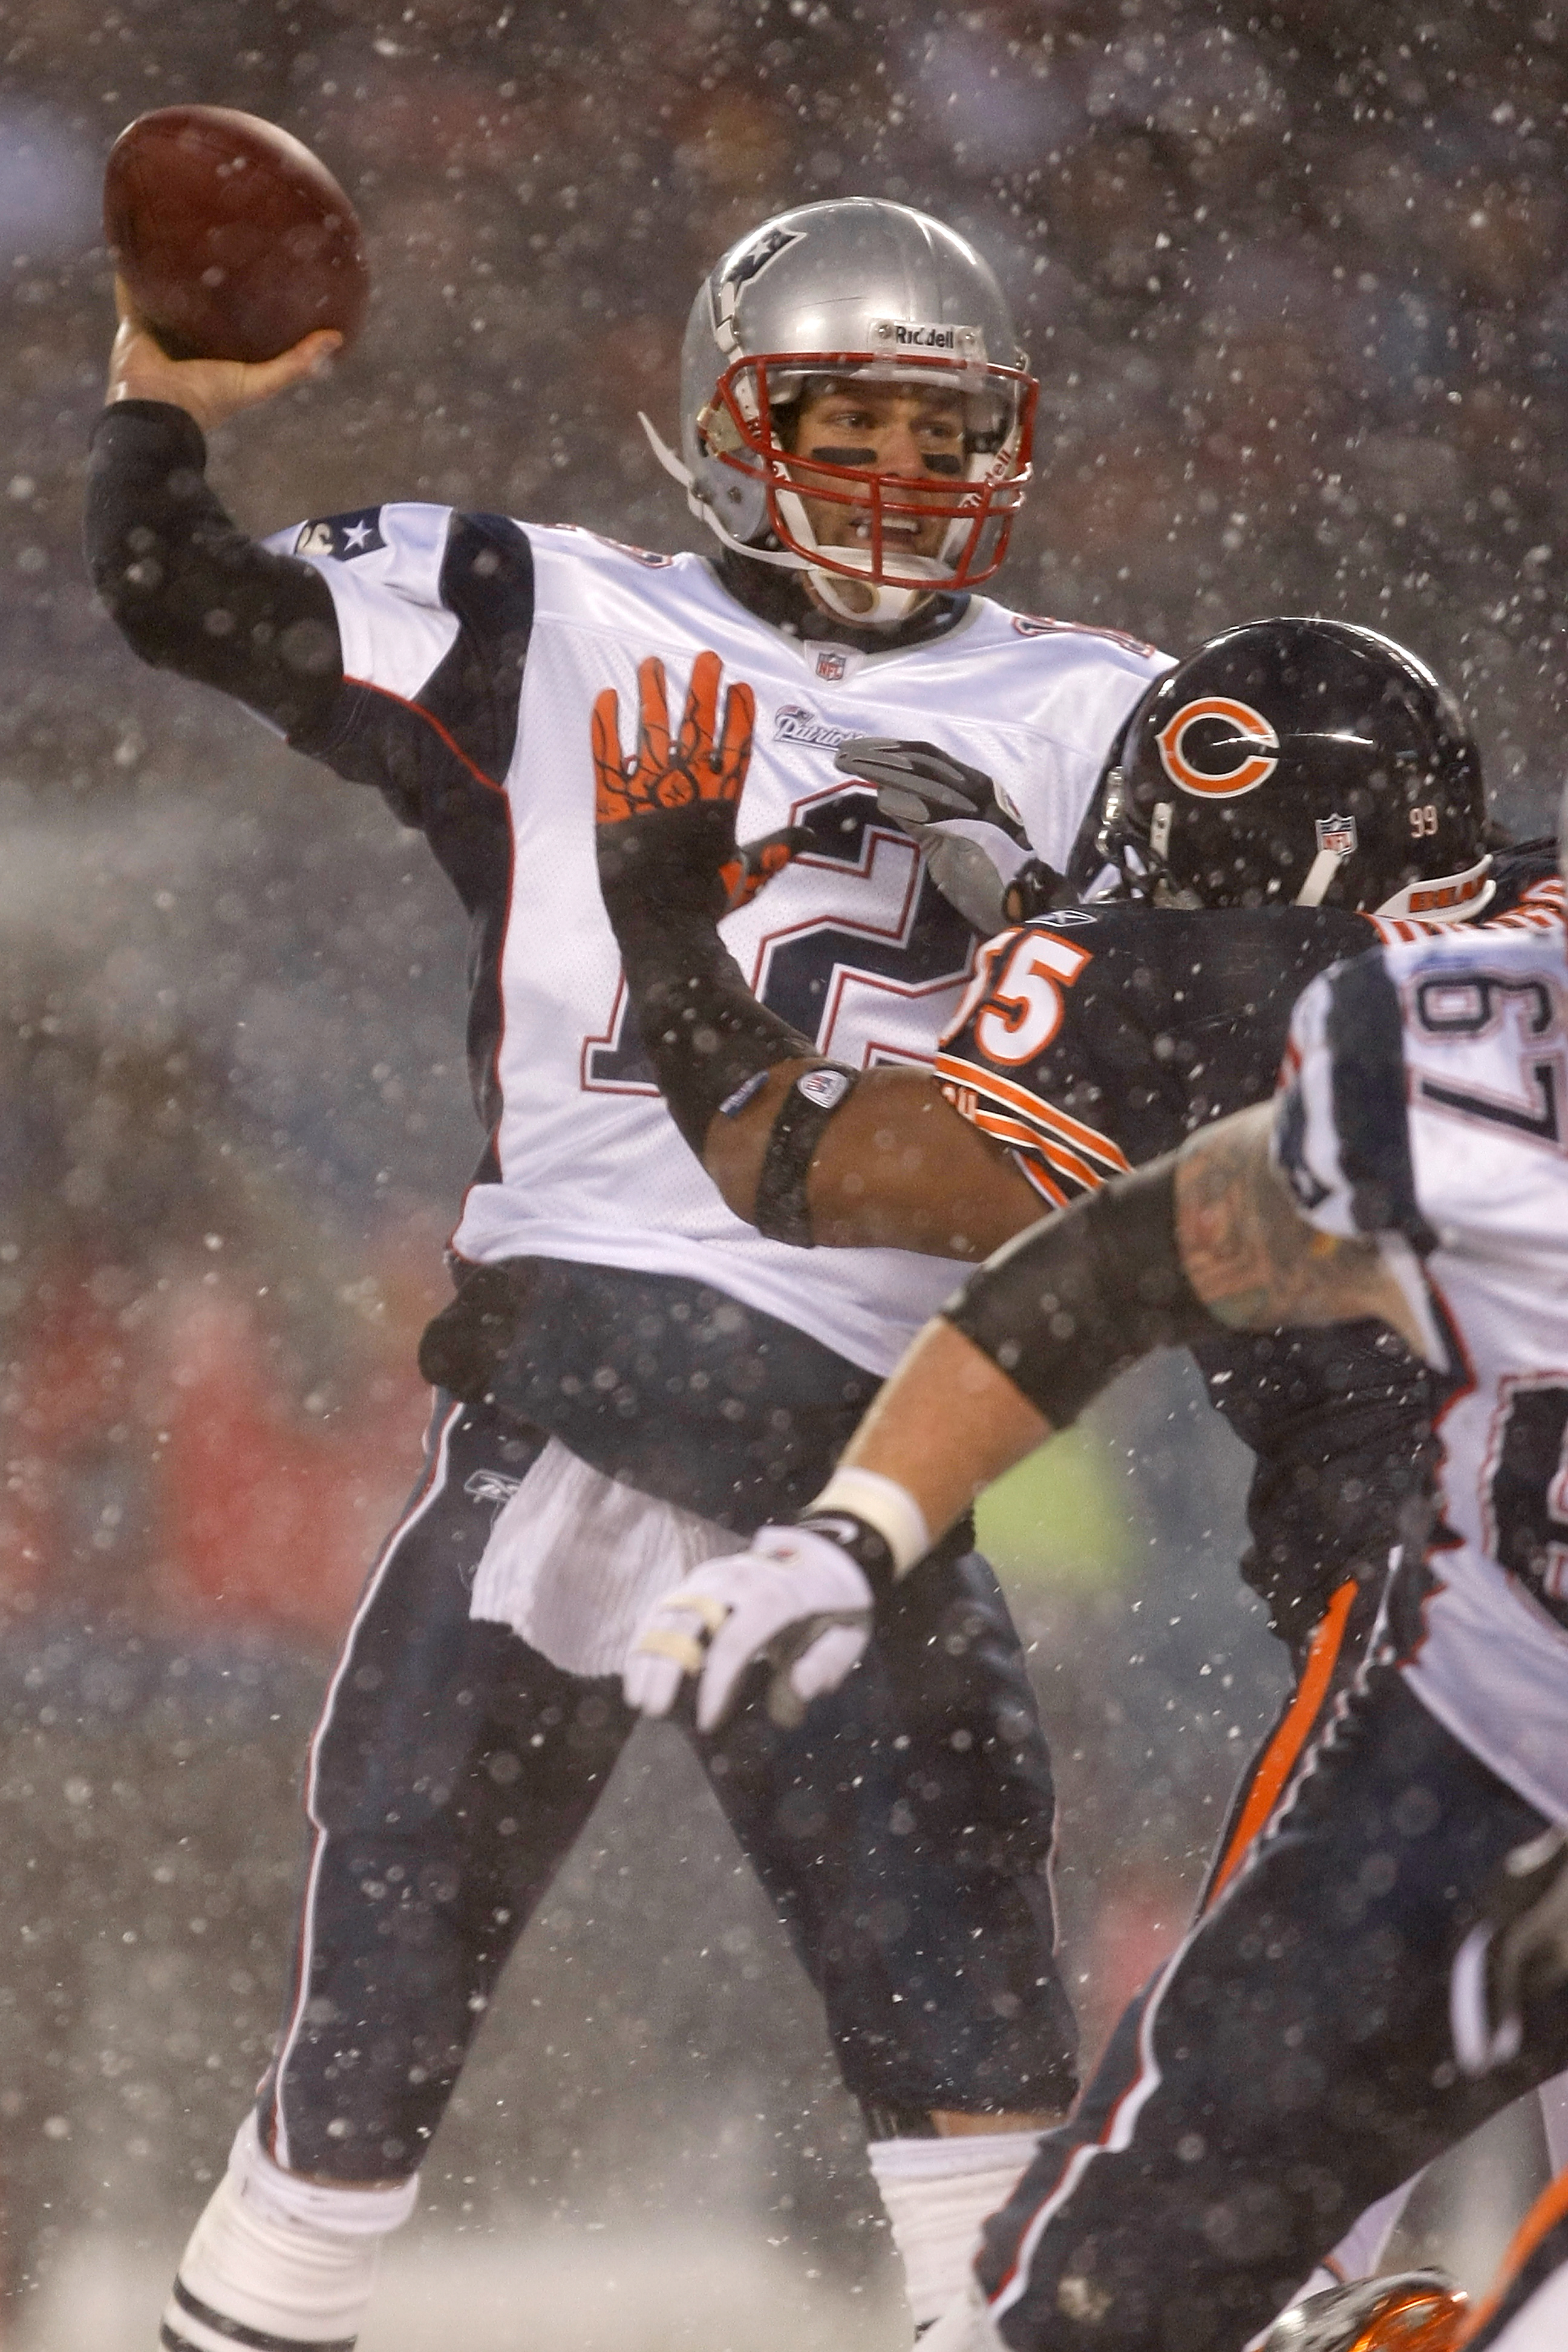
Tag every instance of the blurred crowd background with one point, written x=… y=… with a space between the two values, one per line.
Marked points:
x=1296 y=283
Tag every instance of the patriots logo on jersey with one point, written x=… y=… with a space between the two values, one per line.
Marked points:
x=793 y=723
x=343 y=536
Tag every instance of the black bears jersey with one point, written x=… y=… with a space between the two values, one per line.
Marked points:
x=1095 y=1038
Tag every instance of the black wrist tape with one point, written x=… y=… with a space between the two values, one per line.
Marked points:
x=1034 y=889
x=703 y=1030
x=781 y=1210
x=865 y=1545
x=1075 y=1299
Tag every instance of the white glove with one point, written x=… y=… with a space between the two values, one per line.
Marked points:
x=796 y=1599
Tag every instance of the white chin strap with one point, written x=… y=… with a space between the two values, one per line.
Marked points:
x=1319 y=874
x=868 y=604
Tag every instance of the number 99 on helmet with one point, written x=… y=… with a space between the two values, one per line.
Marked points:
x=864 y=292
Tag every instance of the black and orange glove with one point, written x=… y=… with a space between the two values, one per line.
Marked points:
x=755 y=863
x=669 y=870
x=665 y=817
x=706 y=761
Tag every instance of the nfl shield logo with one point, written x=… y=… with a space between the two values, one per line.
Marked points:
x=1337 y=835
x=830 y=662
x=825 y=1088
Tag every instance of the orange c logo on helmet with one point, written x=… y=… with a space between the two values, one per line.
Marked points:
x=1236 y=759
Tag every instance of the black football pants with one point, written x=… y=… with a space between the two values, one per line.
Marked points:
x=1292 y=2063
x=903 y=1832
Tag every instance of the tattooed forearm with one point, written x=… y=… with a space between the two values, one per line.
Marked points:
x=1249 y=1254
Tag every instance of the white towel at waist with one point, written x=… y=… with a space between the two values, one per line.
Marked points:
x=574 y=1560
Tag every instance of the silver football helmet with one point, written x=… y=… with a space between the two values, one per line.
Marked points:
x=854 y=288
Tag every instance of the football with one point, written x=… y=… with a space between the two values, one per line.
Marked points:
x=232 y=238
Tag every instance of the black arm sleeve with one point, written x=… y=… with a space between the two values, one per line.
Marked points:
x=187 y=588
x=703 y=1030
x=1081 y=1296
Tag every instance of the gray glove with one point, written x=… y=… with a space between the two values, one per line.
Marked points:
x=972 y=840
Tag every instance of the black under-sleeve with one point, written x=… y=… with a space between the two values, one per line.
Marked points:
x=704 y=1032
x=189 y=589
x=1072 y=1301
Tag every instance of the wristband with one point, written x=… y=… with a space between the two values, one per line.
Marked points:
x=781 y=1210
x=880 y=1504
x=863 y=1544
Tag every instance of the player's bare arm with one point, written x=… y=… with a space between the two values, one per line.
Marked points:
x=1253 y=1258
x=950 y=1420
x=896 y=1168
x=1209 y=1234
x=892 y=1165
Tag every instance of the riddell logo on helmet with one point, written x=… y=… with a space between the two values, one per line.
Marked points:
x=967 y=343
x=1233 y=742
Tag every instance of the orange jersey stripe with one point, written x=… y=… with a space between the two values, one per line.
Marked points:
x=1045 y=1147
x=1044 y=1115
x=1283 y=1753
x=1018 y=1139
x=1539 y=908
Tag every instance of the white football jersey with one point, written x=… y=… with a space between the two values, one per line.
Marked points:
x=1426 y=1098
x=475 y=649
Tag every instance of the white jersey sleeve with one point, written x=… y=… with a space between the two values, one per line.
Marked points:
x=1342 y=1130
x=1101 y=676
x=1423 y=1094
x=1425 y=1100
x=434 y=609
x=384 y=568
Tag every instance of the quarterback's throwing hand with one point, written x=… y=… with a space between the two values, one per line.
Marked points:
x=795 y=1599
